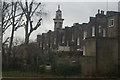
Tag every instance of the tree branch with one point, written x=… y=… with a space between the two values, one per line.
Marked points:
x=24 y=10
x=35 y=9
x=5 y=41
x=37 y=25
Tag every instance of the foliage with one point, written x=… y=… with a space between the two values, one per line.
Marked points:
x=25 y=74
x=42 y=68
x=15 y=64
x=15 y=15
x=113 y=71
x=67 y=70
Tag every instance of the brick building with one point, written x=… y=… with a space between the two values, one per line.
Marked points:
x=98 y=40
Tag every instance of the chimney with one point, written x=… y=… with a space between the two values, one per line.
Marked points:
x=98 y=11
x=102 y=12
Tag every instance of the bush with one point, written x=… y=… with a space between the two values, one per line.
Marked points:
x=67 y=70
x=42 y=68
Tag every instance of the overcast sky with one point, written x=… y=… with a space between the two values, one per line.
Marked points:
x=73 y=12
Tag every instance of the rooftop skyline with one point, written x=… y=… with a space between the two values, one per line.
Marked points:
x=75 y=12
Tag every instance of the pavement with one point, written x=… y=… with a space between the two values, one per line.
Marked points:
x=59 y=78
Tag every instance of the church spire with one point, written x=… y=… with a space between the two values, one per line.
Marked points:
x=58 y=7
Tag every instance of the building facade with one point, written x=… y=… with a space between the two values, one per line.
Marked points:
x=98 y=40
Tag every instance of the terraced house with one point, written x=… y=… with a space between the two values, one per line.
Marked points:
x=97 y=40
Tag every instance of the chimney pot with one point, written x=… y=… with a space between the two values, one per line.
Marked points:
x=101 y=11
x=98 y=11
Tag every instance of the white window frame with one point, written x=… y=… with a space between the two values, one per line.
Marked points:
x=63 y=38
x=93 y=31
x=84 y=50
x=54 y=41
x=109 y=23
x=100 y=30
x=104 y=33
x=43 y=47
x=72 y=38
x=67 y=43
x=40 y=44
x=84 y=35
x=78 y=41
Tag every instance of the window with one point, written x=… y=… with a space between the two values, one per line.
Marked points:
x=54 y=41
x=93 y=31
x=67 y=43
x=40 y=44
x=100 y=29
x=111 y=23
x=55 y=24
x=47 y=44
x=43 y=46
x=78 y=41
x=50 y=45
x=85 y=34
x=60 y=24
x=83 y=50
x=63 y=39
x=72 y=38
x=104 y=33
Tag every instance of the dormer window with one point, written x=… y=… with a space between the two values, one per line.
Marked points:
x=111 y=23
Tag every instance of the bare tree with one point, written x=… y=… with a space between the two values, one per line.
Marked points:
x=15 y=20
x=5 y=19
x=5 y=16
x=30 y=9
x=10 y=18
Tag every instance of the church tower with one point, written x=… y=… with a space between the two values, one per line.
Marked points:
x=58 y=21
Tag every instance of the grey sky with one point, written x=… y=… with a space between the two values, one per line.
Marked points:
x=73 y=12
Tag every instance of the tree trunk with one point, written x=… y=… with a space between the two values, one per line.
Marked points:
x=13 y=28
